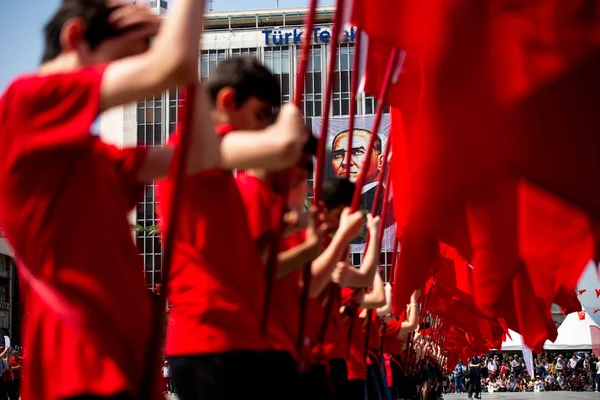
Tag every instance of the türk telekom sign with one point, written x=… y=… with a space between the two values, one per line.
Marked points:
x=275 y=37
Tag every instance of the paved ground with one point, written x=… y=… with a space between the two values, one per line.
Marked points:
x=517 y=396
x=527 y=396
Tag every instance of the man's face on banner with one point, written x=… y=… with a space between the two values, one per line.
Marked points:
x=341 y=161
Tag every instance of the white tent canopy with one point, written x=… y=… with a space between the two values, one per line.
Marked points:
x=573 y=334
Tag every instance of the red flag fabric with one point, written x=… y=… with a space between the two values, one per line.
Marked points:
x=567 y=301
x=581 y=315
x=597 y=293
x=582 y=291
x=596 y=310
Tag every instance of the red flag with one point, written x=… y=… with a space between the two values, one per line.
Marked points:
x=581 y=315
x=568 y=302
x=596 y=310
x=597 y=293
x=582 y=291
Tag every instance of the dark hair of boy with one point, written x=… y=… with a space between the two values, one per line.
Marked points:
x=93 y=13
x=338 y=192
x=248 y=77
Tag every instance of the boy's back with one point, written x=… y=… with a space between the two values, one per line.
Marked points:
x=64 y=208
x=216 y=283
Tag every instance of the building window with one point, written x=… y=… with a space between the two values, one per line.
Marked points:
x=341 y=85
x=209 y=59
x=176 y=97
x=4 y=268
x=148 y=239
x=249 y=51
x=313 y=84
x=278 y=60
x=371 y=105
x=149 y=122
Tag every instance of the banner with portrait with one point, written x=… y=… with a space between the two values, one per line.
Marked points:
x=337 y=162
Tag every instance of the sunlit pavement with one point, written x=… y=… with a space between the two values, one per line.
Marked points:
x=530 y=395
x=511 y=396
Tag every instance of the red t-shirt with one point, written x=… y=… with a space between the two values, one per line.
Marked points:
x=392 y=344
x=356 y=363
x=217 y=277
x=64 y=208
x=335 y=342
x=16 y=362
x=374 y=340
x=261 y=208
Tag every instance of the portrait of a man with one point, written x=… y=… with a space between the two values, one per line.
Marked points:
x=341 y=161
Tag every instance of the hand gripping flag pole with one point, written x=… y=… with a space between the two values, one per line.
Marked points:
x=177 y=173
x=353 y=92
x=385 y=326
x=271 y=267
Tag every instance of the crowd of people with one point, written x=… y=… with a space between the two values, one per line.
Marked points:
x=506 y=373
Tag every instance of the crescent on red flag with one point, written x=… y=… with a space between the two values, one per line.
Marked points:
x=582 y=291
x=581 y=315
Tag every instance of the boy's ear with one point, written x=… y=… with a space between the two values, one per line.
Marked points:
x=72 y=34
x=226 y=99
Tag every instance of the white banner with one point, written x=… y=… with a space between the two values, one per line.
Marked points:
x=528 y=357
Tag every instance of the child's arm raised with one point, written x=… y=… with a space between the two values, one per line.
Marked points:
x=323 y=266
x=274 y=148
x=375 y=298
x=363 y=276
x=171 y=61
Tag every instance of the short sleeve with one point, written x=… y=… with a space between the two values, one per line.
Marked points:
x=56 y=111
x=128 y=162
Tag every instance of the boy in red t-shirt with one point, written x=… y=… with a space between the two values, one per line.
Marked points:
x=66 y=195
x=15 y=365
x=356 y=320
x=214 y=344
x=261 y=192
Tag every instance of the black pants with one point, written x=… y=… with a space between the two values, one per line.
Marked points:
x=475 y=386
x=121 y=396
x=338 y=376
x=315 y=385
x=356 y=390
x=232 y=375
x=281 y=375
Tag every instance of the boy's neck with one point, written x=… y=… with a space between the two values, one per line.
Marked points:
x=261 y=174
x=220 y=117
x=64 y=63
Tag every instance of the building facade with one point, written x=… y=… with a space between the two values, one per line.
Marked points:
x=9 y=294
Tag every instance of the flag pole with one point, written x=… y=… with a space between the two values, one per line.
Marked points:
x=271 y=267
x=177 y=173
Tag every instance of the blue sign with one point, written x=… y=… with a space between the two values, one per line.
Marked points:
x=320 y=36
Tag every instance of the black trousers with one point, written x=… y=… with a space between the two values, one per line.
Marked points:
x=475 y=386
x=356 y=390
x=121 y=396
x=338 y=375
x=322 y=382
x=234 y=375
